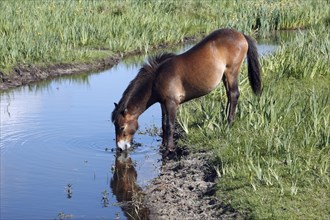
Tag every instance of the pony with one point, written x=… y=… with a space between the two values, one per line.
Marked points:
x=171 y=80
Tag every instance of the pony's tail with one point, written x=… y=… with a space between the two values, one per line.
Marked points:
x=254 y=69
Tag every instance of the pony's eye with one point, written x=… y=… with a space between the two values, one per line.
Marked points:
x=122 y=128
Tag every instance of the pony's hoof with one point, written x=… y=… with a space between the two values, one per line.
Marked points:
x=169 y=155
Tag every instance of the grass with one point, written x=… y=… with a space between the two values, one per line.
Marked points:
x=43 y=32
x=274 y=162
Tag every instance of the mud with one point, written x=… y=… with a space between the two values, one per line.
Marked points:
x=186 y=189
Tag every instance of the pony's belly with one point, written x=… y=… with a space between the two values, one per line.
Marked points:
x=202 y=83
x=200 y=89
x=213 y=82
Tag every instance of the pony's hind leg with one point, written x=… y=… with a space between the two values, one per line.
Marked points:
x=227 y=93
x=231 y=84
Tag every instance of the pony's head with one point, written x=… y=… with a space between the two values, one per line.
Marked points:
x=125 y=126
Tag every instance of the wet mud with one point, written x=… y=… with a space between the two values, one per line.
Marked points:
x=186 y=189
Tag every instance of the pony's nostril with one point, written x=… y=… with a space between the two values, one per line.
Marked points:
x=128 y=145
x=123 y=145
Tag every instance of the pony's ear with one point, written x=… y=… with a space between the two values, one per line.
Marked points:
x=115 y=104
x=124 y=112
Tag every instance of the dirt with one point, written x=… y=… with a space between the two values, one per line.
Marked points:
x=186 y=189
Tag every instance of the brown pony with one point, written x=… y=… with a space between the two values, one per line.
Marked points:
x=174 y=79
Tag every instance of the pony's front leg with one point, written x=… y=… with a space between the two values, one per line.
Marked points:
x=171 y=107
x=164 y=118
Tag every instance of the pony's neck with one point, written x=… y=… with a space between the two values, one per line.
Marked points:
x=138 y=95
x=141 y=101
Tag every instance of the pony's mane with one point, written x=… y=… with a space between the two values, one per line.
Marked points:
x=138 y=84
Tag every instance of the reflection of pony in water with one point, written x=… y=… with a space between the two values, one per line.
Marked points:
x=174 y=79
x=124 y=187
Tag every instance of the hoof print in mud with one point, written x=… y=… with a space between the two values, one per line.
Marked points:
x=181 y=190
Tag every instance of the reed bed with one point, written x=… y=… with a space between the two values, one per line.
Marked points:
x=43 y=32
x=275 y=160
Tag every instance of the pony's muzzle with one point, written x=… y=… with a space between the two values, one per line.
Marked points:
x=123 y=145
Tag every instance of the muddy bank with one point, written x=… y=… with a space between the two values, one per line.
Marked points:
x=185 y=189
x=26 y=74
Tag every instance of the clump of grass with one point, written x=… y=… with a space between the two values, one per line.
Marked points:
x=68 y=190
x=274 y=160
x=62 y=216
x=105 y=198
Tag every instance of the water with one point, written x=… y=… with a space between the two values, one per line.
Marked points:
x=56 y=148
x=62 y=134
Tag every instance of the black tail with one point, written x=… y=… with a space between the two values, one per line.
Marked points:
x=254 y=69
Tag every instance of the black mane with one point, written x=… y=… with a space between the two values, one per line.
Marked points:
x=138 y=84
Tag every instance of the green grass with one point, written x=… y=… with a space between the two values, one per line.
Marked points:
x=44 y=32
x=274 y=162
